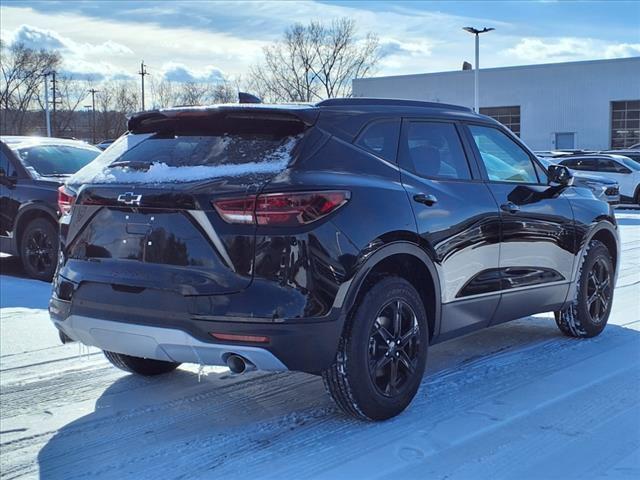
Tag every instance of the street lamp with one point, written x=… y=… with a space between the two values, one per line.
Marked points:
x=477 y=33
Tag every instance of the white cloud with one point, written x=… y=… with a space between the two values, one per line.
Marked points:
x=532 y=50
x=622 y=50
x=178 y=72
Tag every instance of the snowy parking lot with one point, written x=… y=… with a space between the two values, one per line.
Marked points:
x=515 y=401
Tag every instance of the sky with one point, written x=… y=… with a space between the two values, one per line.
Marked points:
x=197 y=41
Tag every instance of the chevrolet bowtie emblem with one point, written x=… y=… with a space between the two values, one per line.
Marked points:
x=129 y=198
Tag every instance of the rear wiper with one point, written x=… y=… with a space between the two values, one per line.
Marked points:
x=130 y=164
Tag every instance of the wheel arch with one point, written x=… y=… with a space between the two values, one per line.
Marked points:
x=406 y=260
x=607 y=233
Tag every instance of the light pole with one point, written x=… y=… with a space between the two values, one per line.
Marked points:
x=477 y=33
x=46 y=104
x=93 y=92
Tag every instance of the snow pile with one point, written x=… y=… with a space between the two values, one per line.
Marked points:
x=99 y=171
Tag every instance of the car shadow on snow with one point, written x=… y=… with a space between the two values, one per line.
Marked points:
x=142 y=425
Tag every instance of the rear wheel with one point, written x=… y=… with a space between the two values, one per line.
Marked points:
x=589 y=312
x=382 y=355
x=39 y=249
x=141 y=366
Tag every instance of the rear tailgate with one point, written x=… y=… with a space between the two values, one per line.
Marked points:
x=145 y=218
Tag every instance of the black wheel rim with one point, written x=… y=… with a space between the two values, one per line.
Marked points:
x=598 y=291
x=394 y=348
x=39 y=250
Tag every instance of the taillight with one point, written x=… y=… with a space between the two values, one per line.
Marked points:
x=66 y=198
x=281 y=209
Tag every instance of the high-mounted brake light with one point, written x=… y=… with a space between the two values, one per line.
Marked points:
x=281 y=209
x=66 y=199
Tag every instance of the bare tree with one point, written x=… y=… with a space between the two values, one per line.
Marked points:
x=22 y=70
x=314 y=61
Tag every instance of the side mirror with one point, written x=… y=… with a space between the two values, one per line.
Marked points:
x=560 y=175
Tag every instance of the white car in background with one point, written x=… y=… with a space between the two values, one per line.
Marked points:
x=615 y=167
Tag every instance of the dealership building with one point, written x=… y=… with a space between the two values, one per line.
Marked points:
x=591 y=105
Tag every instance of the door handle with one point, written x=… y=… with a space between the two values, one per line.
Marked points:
x=427 y=200
x=510 y=207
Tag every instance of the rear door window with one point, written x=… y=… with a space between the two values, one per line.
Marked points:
x=433 y=150
x=381 y=138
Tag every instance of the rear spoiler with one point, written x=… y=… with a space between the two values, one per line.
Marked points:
x=153 y=120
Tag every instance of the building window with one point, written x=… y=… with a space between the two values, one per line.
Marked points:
x=508 y=116
x=625 y=123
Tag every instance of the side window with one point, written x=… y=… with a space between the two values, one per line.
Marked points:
x=381 y=138
x=605 y=165
x=504 y=159
x=434 y=150
x=588 y=164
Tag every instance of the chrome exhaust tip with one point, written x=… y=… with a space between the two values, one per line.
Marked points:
x=238 y=364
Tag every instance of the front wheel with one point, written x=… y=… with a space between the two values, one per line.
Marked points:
x=142 y=366
x=588 y=314
x=382 y=354
x=39 y=249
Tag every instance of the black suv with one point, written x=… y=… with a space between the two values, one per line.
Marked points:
x=31 y=171
x=339 y=239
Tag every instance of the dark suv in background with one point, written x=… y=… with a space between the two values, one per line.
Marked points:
x=31 y=171
x=339 y=239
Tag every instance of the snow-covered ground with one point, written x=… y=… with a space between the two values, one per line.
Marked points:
x=516 y=401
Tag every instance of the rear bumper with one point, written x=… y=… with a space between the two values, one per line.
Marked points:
x=158 y=343
x=153 y=330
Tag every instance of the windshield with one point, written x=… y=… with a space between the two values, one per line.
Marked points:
x=633 y=165
x=56 y=160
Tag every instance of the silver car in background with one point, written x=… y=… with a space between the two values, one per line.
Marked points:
x=602 y=188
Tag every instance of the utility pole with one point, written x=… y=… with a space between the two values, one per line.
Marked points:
x=142 y=73
x=46 y=104
x=93 y=92
x=477 y=33
x=53 y=91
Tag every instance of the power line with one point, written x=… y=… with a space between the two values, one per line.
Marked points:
x=142 y=73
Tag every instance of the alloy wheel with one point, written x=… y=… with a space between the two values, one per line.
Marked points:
x=598 y=291
x=39 y=251
x=394 y=346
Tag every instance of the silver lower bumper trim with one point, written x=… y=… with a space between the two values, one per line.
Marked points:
x=158 y=343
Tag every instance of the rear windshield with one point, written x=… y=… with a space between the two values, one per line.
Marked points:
x=56 y=160
x=197 y=150
x=164 y=157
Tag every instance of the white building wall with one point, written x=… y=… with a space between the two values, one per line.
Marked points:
x=563 y=97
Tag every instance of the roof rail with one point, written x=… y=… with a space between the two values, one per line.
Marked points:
x=340 y=102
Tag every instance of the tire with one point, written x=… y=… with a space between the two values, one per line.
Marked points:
x=39 y=249
x=588 y=314
x=369 y=338
x=142 y=366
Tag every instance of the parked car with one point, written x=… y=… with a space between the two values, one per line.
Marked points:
x=339 y=239
x=603 y=188
x=635 y=146
x=103 y=145
x=31 y=170
x=615 y=167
